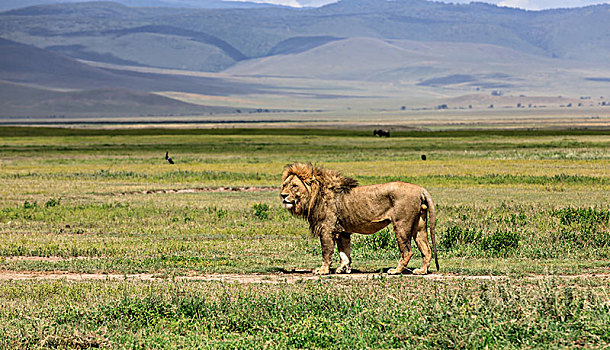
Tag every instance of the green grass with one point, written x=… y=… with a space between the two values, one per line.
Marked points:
x=509 y=203
x=380 y=313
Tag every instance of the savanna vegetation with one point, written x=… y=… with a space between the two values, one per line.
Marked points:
x=528 y=207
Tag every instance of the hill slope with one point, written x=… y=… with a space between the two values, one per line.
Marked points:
x=318 y=58
x=25 y=101
x=30 y=65
x=214 y=39
x=36 y=82
x=372 y=59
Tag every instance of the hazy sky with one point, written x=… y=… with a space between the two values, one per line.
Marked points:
x=524 y=4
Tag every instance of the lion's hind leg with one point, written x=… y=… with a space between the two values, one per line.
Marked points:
x=420 y=234
x=403 y=231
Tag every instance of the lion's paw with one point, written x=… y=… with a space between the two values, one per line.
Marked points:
x=394 y=272
x=343 y=269
x=321 y=271
x=420 y=272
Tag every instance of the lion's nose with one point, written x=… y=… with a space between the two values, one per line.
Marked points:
x=284 y=195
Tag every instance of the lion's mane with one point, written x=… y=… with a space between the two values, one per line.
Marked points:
x=325 y=189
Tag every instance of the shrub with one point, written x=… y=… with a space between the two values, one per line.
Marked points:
x=500 y=243
x=456 y=236
x=52 y=202
x=381 y=240
x=28 y=205
x=221 y=213
x=582 y=216
x=261 y=210
x=583 y=226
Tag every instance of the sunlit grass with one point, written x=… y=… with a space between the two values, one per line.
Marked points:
x=517 y=204
x=379 y=313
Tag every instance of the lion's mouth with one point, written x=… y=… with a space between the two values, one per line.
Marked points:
x=287 y=204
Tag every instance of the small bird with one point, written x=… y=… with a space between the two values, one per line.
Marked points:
x=423 y=157
x=169 y=160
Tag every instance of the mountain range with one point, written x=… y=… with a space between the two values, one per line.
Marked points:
x=415 y=43
x=6 y=5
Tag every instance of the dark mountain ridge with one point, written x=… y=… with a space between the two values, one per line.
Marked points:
x=192 y=35
x=6 y=5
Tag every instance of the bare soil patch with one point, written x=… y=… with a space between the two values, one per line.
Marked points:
x=202 y=189
x=275 y=278
x=46 y=258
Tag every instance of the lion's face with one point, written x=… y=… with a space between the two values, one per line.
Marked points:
x=294 y=194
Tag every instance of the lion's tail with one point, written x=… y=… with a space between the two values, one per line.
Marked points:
x=432 y=222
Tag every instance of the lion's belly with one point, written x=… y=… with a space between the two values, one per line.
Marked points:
x=366 y=227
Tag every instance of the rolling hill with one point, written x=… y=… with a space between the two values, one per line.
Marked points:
x=26 y=101
x=222 y=37
x=303 y=58
x=439 y=66
x=36 y=82
x=372 y=59
x=26 y=64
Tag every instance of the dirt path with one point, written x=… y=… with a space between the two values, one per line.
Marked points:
x=202 y=189
x=253 y=278
x=289 y=276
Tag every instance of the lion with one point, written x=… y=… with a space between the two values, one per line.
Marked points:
x=336 y=206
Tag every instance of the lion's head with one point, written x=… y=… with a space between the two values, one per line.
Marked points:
x=302 y=184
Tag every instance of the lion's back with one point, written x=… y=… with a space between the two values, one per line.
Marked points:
x=393 y=190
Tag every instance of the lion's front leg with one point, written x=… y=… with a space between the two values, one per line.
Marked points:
x=344 y=243
x=328 y=247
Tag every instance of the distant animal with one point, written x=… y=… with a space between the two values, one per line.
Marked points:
x=169 y=160
x=336 y=206
x=381 y=133
x=423 y=157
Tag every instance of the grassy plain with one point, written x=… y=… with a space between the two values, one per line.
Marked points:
x=529 y=206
